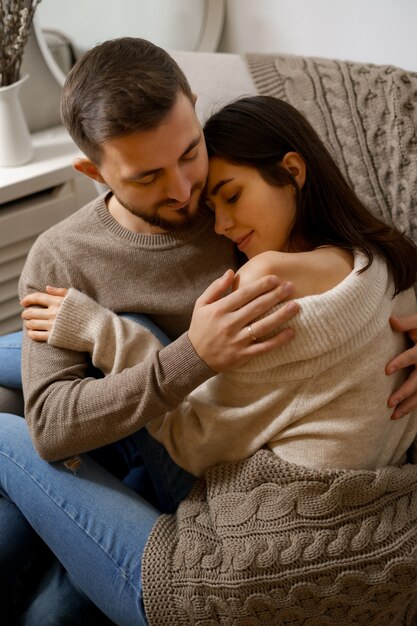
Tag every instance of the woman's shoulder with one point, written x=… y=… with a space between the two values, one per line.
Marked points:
x=311 y=272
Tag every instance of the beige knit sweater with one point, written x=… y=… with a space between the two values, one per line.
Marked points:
x=320 y=401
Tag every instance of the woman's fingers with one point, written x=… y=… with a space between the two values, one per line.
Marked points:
x=54 y=296
x=38 y=335
x=37 y=324
x=36 y=313
x=41 y=310
x=56 y=291
x=36 y=298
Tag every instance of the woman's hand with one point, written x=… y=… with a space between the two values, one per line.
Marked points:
x=41 y=311
x=404 y=399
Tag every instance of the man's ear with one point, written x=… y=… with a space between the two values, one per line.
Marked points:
x=194 y=98
x=87 y=167
x=295 y=164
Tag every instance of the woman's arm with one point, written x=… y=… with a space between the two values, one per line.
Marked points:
x=71 y=320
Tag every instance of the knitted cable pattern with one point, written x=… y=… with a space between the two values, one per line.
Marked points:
x=366 y=115
x=267 y=542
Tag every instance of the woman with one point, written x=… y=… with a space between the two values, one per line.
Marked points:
x=265 y=539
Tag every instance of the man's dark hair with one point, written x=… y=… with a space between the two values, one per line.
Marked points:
x=119 y=87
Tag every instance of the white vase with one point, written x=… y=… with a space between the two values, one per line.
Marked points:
x=15 y=141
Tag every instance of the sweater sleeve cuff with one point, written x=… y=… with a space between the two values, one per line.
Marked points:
x=182 y=369
x=79 y=321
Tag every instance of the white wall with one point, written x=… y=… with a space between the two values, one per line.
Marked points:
x=173 y=24
x=375 y=31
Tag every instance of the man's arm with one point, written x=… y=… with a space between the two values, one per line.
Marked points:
x=69 y=413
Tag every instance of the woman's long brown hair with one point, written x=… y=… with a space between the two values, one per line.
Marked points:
x=258 y=131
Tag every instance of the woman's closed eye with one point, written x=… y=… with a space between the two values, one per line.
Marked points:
x=233 y=198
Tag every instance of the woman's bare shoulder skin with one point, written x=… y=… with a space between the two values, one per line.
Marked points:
x=311 y=272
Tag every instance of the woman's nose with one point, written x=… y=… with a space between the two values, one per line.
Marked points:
x=223 y=221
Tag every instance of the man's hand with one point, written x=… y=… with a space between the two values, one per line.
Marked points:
x=404 y=399
x=222 y=330
x=41 y=311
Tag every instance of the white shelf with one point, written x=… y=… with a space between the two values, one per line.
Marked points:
x=51 y=165
x=34 y=197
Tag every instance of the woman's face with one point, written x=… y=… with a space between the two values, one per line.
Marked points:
x=255 y=215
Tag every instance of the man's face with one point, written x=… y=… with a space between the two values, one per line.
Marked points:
x=157 y=175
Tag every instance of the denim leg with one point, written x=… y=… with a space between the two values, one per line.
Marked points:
x=58 y=601
x=24 y=558
x=170 y=482
x=159 y=475
x=96 y=526
x=10 y=359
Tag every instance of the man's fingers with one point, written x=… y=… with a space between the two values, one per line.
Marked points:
x=404 y=323
x=258 y=297
x=217 y=288
x=219 y=329
x=407 y=389
x=404 y=399
x=278 y=340
x=274 y=320
x=405 y=359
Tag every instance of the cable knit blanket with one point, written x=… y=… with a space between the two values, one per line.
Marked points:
x=366 y=115
x=263 y=542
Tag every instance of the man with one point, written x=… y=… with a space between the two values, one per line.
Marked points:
x=148 y=246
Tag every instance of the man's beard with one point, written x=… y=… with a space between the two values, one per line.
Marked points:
x=153 y=219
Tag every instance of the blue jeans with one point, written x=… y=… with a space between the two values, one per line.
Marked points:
x=10 y=359
x=139 y=461
x=96 y=526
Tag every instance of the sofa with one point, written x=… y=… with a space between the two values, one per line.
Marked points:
x=366 y=114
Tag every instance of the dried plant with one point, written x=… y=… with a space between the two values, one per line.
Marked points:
x=15 y=21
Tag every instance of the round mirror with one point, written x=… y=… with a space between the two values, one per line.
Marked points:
x=65 y=30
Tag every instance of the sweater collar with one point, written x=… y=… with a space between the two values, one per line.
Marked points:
x=337 y=320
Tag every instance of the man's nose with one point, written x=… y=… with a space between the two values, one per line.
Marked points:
x=179 y=186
